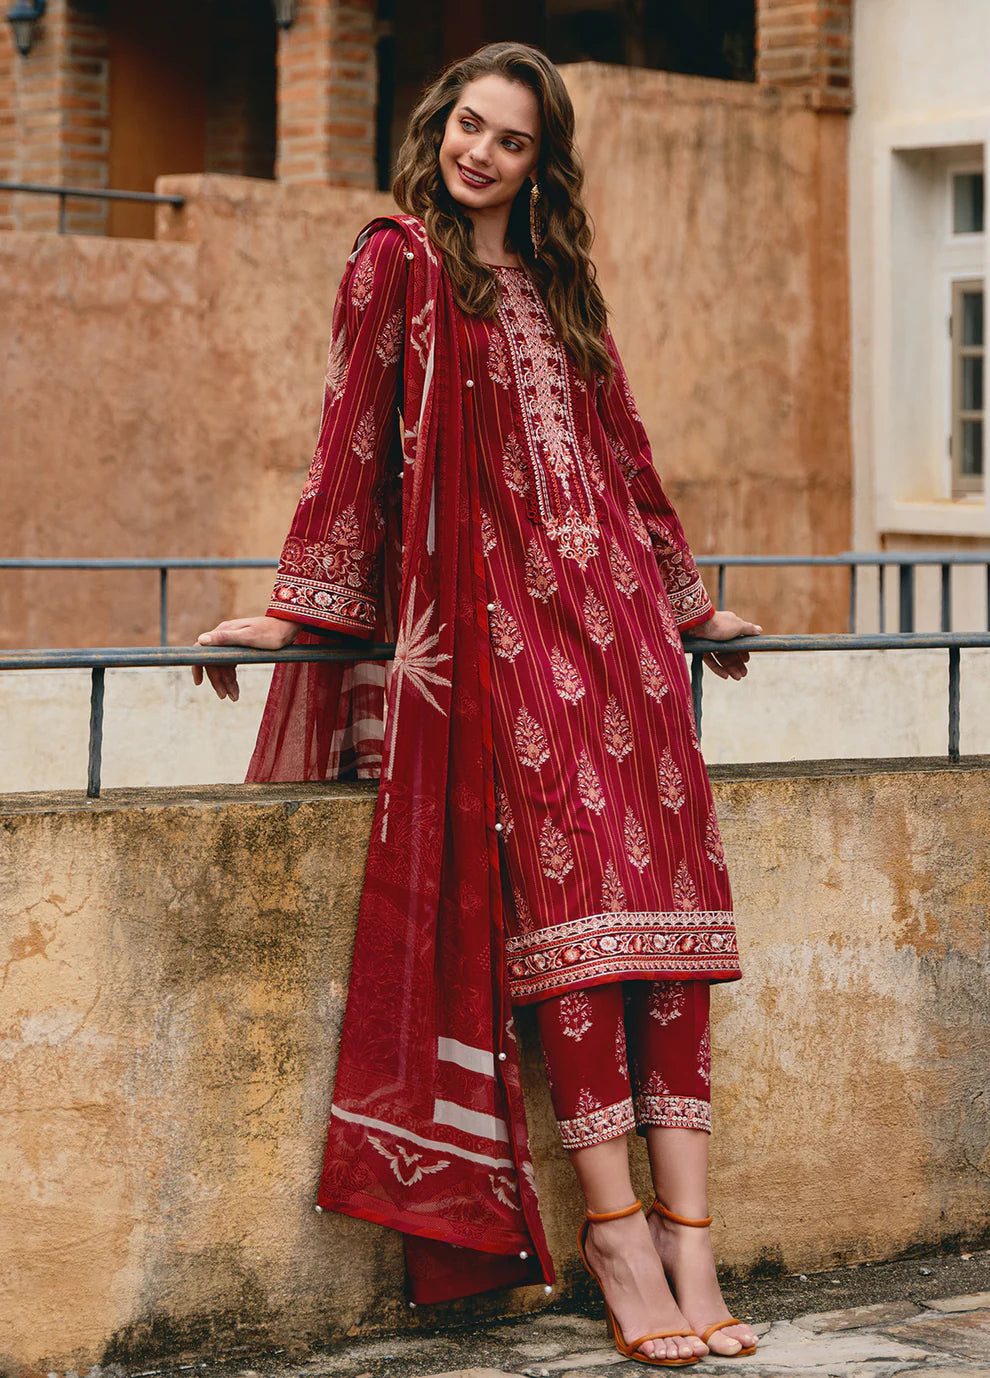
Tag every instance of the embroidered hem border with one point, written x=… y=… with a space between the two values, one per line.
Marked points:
x=673 y=1112
x=597 y=1126
x=688 y=604
x=323 y=603
x=667 y=945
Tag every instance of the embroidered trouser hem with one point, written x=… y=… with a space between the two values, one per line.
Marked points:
x=630 y=1055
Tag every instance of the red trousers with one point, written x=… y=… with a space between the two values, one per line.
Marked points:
x=625 y=1056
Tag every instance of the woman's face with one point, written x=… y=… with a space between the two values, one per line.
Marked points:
x=491 y=143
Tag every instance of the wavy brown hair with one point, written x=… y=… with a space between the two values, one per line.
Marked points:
x=563 y=271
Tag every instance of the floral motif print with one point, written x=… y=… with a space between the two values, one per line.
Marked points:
x=637 y=525
x=555 y=853
x=531 y=741
x=593 y=467
x=621 y=1049
x=630 y=467
x=365 y=435
x=489 y=540
x=524 y=916
x=362 y=282
x=671 y=635
x=499 y=368
x=587 y=1103
x=654 y=679
x=666 y=1003
x=566 y=677
x=685 y=893
x=622 y=570
x=613 y=895
x=314 y=477
x=589 y=786
x=538 y=573
x=575 y=538
x=616 y=732
x=389 y=346
x=713 y=842
x=514 y=466
x=671 y=782
x=336 y=372
x=507 y=641
x=637 y=847
x=574 y=1012
x=705 y=1057
x=597 y=620
x=654 y=1085
x=503 y=813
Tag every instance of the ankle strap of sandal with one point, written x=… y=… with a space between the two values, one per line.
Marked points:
x=679 y=1219
x=613 y=1215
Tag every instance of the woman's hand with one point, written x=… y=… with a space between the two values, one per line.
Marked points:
x=725 y=626
x=262 y=633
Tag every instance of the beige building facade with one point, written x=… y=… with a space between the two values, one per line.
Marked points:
x=919 y=261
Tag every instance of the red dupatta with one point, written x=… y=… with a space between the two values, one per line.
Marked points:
x=428 y=1129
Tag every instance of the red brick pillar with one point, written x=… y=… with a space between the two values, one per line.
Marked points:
x=807 y=43
x=327 y=93
x=54 y=123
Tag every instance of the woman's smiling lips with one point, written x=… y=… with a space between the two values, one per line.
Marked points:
x=474 y=179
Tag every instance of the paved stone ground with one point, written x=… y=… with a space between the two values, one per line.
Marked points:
x=929 y=1316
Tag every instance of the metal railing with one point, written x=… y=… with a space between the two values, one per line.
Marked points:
x=905 y=563
x=138 y=657
x=90 y=194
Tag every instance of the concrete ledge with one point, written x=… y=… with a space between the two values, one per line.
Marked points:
x=174 y=974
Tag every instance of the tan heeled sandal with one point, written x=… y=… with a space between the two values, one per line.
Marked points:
x=630 y=1349
x=661 y=1209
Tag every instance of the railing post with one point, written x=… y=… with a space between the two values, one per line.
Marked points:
x=954 y=677
x=721 y=587
x=163 y=605
x=881 y=586
x=946 y=598
x=852 y=597
x=61 y=212
x=906 y=598
x=697 y=674
x=95 y=733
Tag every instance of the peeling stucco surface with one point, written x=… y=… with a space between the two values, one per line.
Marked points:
x=173 y=970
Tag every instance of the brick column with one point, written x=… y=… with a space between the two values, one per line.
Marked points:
x=807 y=43
x=54 y=121
x=327 y=93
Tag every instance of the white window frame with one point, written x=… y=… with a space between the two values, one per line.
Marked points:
x=911 y=384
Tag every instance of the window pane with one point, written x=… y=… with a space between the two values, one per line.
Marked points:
x=972 y=318
x=972 y=449
x=967 y=203
x=972 y=384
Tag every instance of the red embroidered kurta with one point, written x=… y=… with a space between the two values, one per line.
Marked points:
x=612 y=863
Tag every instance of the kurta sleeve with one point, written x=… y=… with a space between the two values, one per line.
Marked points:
x=330 y=574
x=688 y=599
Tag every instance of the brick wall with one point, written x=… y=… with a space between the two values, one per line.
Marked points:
x=240 y=125
x=54 y=125
x=327 y=92
x=807 y=43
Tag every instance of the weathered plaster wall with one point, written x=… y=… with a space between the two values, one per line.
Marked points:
x=174 y=972
x=162 y=397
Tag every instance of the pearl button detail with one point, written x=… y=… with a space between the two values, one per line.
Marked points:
x=410 y=254
x=319 y=1209
x=523 y=1253
x=547 y=1290
x=469 y=383
x=498 y=827
x=491 y=607
x=502 y=1057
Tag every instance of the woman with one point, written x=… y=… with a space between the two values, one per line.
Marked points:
x=544 y=831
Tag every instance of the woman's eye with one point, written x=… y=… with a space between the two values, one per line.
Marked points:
x=469 y=125
x=512 y=146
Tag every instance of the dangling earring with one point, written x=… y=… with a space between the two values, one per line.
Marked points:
x=534 y=220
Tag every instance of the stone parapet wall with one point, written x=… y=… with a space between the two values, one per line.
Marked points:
x=174 y=976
